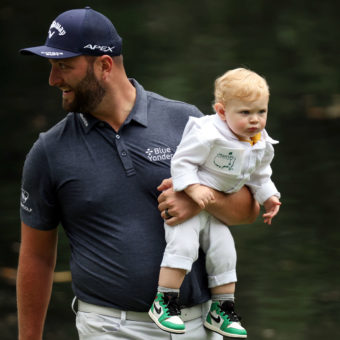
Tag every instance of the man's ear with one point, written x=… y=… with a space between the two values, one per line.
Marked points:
x=105 y=64
x=220 y=110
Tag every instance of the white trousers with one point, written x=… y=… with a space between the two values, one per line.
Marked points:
x=215 y=239
x=92 y=326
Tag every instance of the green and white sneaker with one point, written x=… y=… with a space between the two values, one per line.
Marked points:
x=165 y=313
x=222 y=319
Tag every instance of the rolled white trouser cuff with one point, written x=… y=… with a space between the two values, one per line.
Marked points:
x=177 y=261
x=221 y=279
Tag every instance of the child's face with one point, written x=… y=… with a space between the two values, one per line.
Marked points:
x=245 y=118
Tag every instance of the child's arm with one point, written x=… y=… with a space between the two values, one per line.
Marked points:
x=260 y=182
x=190 y=154
x=272 y=206
x=201 y=194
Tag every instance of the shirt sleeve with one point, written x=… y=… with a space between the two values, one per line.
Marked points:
x=192 y=151
x=38 y=203
x=260 y=182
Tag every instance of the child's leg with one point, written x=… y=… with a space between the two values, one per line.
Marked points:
x=218 y=244
x=226 y=289
x=181 y=251
x=171 y=278
x=223 y=292
x=220 y=251
x=182 y=244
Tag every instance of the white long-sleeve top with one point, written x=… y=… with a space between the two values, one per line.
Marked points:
x=210 y=154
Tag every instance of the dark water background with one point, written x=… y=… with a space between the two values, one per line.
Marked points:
x=289 y=273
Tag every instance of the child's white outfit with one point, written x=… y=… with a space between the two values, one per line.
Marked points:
x=210 y=154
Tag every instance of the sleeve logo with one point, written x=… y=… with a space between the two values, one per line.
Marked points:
x=24 y=197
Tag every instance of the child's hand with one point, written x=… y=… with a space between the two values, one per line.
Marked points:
x=201 y=194
x=272 y=206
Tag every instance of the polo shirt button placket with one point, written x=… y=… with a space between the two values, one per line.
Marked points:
x=126 y=160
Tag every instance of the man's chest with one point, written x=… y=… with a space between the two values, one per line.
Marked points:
x=105 y=167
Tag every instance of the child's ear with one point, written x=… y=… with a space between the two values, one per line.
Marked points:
x=219 y=108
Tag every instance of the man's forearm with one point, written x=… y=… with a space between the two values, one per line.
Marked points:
x=236 y=208
x=38 y=254
x=34 y=286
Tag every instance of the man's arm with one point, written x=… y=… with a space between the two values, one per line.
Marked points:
x=35 y=278
x=237 y=208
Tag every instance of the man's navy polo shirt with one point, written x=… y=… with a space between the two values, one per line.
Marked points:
x=100 y=184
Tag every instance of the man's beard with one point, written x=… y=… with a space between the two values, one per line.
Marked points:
x=87 y=94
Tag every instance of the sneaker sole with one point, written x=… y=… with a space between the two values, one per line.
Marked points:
x=169 y=330
x=217 y=330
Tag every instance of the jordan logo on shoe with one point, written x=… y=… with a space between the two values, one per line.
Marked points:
x=218 y=319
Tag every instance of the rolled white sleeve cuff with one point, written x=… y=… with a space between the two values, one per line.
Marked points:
x=267 y=190
x=182 y=182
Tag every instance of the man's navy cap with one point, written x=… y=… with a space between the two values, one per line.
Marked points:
x=79 y=32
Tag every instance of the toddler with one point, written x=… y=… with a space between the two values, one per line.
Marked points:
x=224 y=151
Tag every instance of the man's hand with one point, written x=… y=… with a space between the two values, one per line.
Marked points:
x=272 y=206
x=178 y=204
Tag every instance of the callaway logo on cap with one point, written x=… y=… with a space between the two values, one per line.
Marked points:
x=79 y=32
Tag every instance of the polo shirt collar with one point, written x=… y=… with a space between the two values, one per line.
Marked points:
x=138 y=112
x=87 y=121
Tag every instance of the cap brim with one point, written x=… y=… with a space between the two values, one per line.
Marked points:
x=48 y=52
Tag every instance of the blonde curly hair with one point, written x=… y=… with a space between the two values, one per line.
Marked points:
x=240 y=83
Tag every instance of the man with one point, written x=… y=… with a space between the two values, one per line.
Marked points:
x=97 y=173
